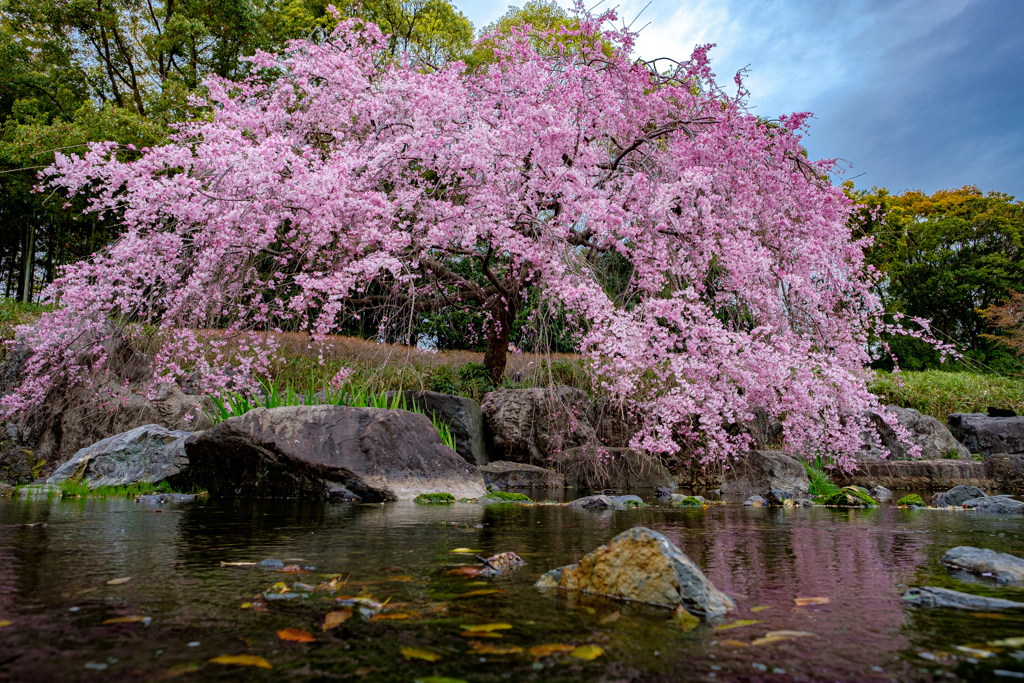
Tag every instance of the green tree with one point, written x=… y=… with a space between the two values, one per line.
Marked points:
x=944 y=257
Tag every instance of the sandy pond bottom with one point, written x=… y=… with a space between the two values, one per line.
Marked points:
x=57 y=557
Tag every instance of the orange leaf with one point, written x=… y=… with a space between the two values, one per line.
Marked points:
x=804 y=602
x=242 y=660
x=482 y=591
x=293 y=569
x=465 y=571
x=488 y=649
x=538 y=651
x=336 y=619
x=296 y=635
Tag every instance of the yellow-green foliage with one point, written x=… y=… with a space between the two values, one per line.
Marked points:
x=12 y=314
x=938 y=393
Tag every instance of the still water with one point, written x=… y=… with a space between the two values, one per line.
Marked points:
x=57 y=557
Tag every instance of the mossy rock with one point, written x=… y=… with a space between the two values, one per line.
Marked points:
x=635 y=505
x=434 y=498
x=913 y=500
x=849 y=497
x=507 y=497
x=690 y=502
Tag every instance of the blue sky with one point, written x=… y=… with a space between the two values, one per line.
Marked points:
x=912 y=94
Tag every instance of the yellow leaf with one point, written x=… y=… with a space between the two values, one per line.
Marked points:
x=488 y=649
x=486 y=628
x=482 y=591
x=417 y=653
x=685 y=620
x=974 y=652
x=611 y=618
x=739 y=623
x=242 y=660
x=296 y=635
x=336 y=619
x=118 y=582
x=733 y=643
x=393 y=616
x=463 y=551
x=759 y=608
x=804 y=602
x=587 y=652
x=124 y=620
x=779 y=636
x=237 y=564
x=1006 y=642
x=538 y=651
x=4 y=622
x=246 y=605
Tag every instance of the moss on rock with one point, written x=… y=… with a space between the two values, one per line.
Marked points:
x=913 y=500
x=508 y=497
x=849 y=497
x=434 y=498
x=690 y=502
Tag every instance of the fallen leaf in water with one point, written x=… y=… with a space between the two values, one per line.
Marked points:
x=987 y=615
x=804 y=602
x=538 y=651
x=482 y=591
x=486 y=628
x=292 y=569
x=502 y=563
x=296 y=635
x=733 y=643
x=439 y=608
x=179 y=669
x=394 y=616
x=246 y=605
x=336 y=619
x=488 y=649
x=5 y=622
x=610 y=619
x=779 y=636
x=463 y=551
x=118 y=582
x=125 y=620
x=242 y=660
x=417 y=653
x=237 y=564
x=759 y=608
x=587 y=652
x=685 y=620
x=468 y=571
x=1006 y=642
x=739 y=623
x=404 y=579
x=975 y=652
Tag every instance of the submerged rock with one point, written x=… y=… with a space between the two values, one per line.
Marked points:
x=324 y=452
x=503 y=474
x=643 y=566
x=1002 y=567
x=755 y=501
x=602 y=502
x=930 y=596
x=995 y=504
x=146 y=454
x=762 y=472
x=956 y=496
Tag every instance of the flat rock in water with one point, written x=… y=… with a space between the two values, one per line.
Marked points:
x=930 y=596
x=504 y=474
x=957 y=496
x=995 y=504
x=1002 y=567
x=643 y=566
x=146 y=454
x=323 y=452
x=755 y=501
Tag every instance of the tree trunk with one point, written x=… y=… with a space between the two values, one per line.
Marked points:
x=499 y=329
x=28 y=256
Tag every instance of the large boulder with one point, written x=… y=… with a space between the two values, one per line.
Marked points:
x=762 y=472
x=957 y=496
x=515 y=475
x=916 y=474
x=641 y=565
x=596 y=467
x=1002 y=567
x=934 y=439
x=325 y=452
x=1006 y=470
x=16 y=466
x=531 y=425
x=462 y=416
x=987 y=435
x=146 y=454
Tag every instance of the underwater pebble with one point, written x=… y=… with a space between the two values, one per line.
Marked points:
x=1008 y=674
x=272 y=564
x=194 y=643
x=95 y=666
x=760 y=667
x=74 y=609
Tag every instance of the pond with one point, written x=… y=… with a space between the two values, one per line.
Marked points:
x=182 y=607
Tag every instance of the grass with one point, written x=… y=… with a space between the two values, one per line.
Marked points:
x=821 y=483
x=939 y=394
x=80 y=489
x=12 y=314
